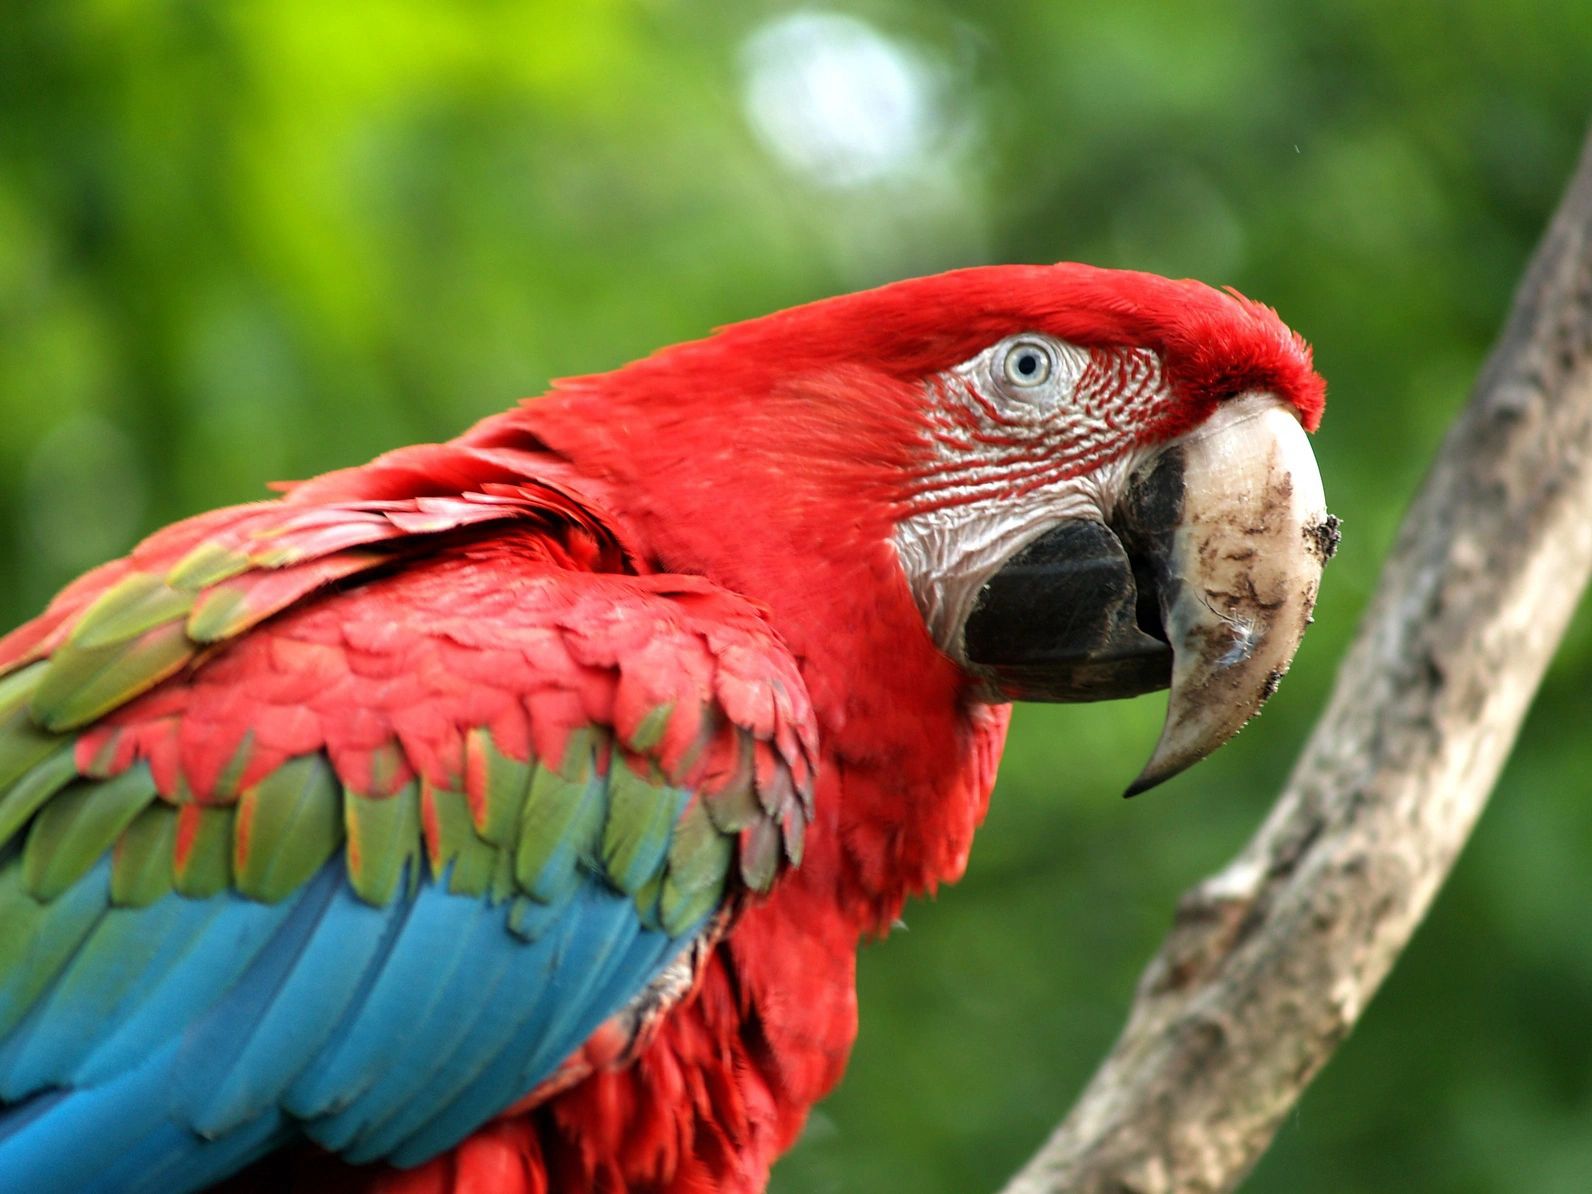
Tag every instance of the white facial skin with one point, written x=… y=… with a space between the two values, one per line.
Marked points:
x=1033 y=431
x=1021 y=443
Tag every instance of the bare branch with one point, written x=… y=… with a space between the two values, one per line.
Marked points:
x=1271 y=961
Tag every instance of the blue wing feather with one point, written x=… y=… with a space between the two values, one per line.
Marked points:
x=214 y=1095
x=318 y=990
x=433 y=941
x=52 y=941
x=541 y=1038
x=598 y=925
x=86 y=1139
x=434 y=1019
x=303 y=1015
x=166 y=1161
x=227 y=936
x=100 y=983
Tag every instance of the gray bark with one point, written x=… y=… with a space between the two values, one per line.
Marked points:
x=1270 y=962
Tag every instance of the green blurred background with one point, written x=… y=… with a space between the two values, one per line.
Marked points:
x=247 y=241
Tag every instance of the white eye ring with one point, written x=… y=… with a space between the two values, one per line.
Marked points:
x=1028 y=364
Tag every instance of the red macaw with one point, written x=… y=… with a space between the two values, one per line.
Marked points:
x=505 y=814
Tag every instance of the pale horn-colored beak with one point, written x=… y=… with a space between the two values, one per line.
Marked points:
x=1237 y=567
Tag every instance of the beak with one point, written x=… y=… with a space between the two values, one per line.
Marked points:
x=1202 y=580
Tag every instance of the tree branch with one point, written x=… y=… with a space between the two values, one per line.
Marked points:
x=1271 y=961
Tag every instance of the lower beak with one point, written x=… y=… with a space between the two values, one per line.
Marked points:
x=1202 y=580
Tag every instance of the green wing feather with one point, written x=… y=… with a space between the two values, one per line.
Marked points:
x=510 y=828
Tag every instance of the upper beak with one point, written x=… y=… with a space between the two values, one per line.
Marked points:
x=1203 y=578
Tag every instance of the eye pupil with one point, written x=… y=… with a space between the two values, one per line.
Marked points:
x=1027 y=365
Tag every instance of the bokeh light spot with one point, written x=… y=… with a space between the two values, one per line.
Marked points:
x=838 y=102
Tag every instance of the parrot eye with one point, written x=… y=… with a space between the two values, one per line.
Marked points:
x=1027 y=364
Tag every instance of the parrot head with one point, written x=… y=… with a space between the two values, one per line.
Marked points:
x=1093 y=483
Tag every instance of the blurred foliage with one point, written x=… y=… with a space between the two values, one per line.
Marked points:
x=242 y=241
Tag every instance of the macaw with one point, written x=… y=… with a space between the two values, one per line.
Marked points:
x=505 y=814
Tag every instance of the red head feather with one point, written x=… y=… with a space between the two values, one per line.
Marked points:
x=1215 y=343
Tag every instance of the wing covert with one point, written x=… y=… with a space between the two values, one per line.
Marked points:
x=355 y=821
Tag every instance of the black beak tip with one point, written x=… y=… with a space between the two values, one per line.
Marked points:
x=1156 y=772
x=1142 y=785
